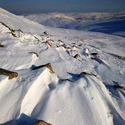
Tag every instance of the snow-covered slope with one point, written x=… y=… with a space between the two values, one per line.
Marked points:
x=99 y=22
x=81 y=90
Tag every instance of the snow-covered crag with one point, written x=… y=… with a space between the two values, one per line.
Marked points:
x=65 y=77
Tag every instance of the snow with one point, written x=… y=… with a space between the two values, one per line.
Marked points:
x=65 y=97
x=91 y=21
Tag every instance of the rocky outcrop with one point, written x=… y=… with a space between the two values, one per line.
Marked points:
x=34 y=53
x=46 y=34
x=94 y=54
x=12 y=31
x=48 y=65
x=1 y=45
x=41 y=122
x=8 y=73
x=119 y=87
x=76 y=56
x=49 y=44
x=37 y=39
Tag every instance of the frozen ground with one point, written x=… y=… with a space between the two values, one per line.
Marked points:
x=79 y=92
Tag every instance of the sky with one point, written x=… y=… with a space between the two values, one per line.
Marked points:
x=44 y=6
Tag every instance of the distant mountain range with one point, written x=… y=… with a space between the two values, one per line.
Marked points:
x=112 y=23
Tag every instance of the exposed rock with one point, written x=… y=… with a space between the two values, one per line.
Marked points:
x=95 y=54
x=120 y=57
x=37 y=39
x=49 y=44
x=13 y=34
x=61 y=41
x=46 y=34
x=85 y=73
x=76 y=56
x=66 y=80
x=8 y=73
x=41 y=122
x=119 y=87
x=7 y=27
x=12 y=31
x=64 y=46
x=69 y=48
x=48 y=65
x=1 y=45
x=34 y=53
x=52 y=40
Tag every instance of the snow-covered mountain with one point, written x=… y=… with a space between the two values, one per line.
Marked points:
x=64 y=77
x=112 y=23
x=80 y=16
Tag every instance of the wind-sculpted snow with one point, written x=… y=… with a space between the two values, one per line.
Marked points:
x=65 y=77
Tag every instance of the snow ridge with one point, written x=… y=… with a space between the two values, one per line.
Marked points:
x=74 y=78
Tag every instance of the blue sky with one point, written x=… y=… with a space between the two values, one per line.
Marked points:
x=41 y=6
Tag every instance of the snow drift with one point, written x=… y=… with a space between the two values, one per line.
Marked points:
x=79 y=91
